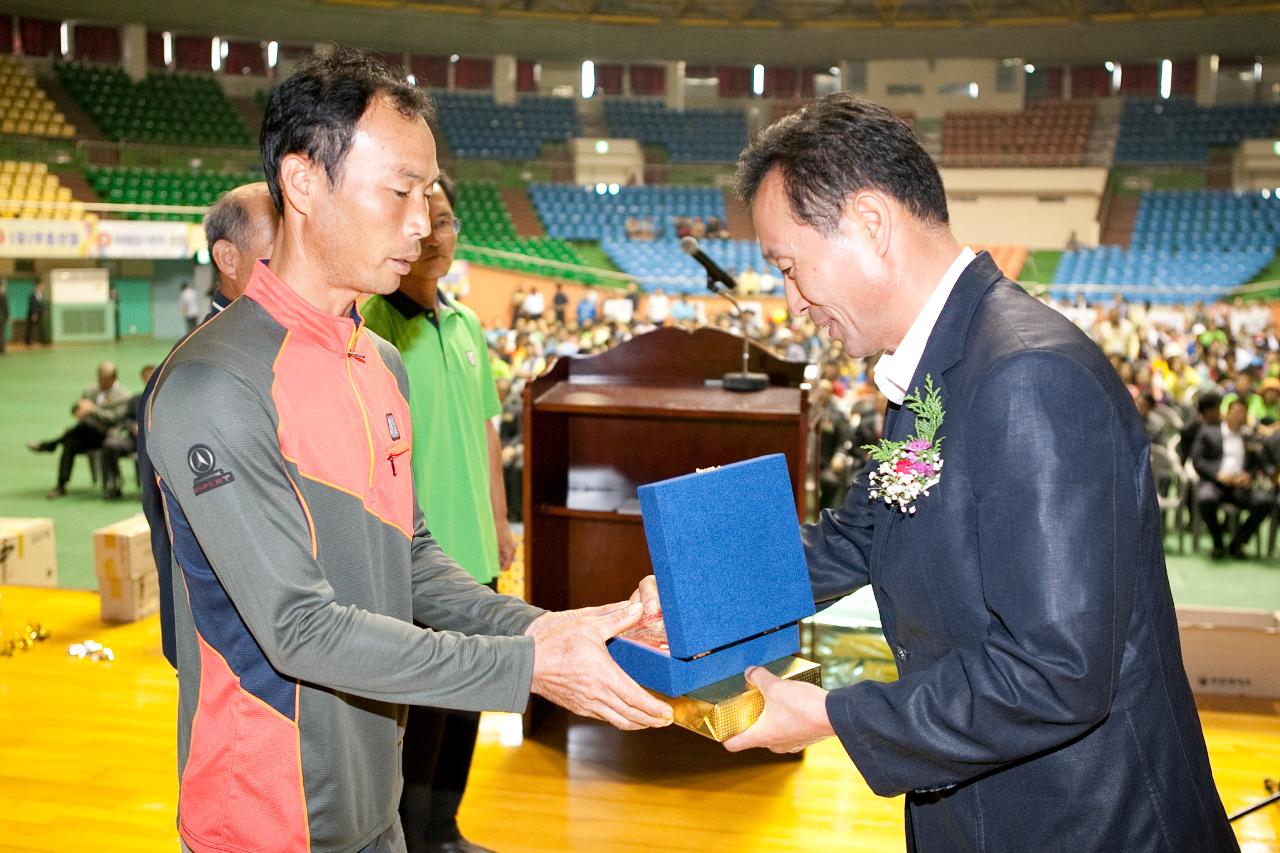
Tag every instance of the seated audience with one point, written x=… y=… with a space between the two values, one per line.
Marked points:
x=1229 y=462
x=97 y=410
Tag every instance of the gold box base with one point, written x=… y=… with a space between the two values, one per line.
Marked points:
x=721 y=710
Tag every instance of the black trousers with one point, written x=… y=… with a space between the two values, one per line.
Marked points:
x=1212 y=496
x=35 y=325
x=81 y=438
x=438 y=747
x=114 y=449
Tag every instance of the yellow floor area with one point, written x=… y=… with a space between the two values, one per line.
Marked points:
x=87 y=764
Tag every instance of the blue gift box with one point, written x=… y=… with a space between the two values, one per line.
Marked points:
x=726 y=552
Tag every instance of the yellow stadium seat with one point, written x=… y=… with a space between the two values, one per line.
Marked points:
x=24 y=167
x=24 y=128
x=64 y=194
x=40 y=168
x=39 y=128
x=8 y=166
x=68 y=130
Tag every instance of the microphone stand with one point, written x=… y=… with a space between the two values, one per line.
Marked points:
x=744 y=380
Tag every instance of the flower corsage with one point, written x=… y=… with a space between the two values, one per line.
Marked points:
x=908 y=469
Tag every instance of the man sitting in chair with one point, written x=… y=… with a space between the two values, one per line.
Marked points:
x=98 y=409
x=1229 y=461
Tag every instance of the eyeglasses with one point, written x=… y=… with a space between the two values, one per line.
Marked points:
x=452 y=229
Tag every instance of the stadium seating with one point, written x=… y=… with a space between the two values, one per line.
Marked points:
x=1183 y=275
x=1044 y=134
x=476 y=127
x=661 y=263
x=1179 y=131
x=186 y=109
x=1211 y=240
x=122 y=185
x=1207 y=219
x=26 y=189
x=25 y=108
x=582 y=213
x=693 y=136
x=486 y=225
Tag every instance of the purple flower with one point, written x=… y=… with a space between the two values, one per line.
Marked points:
x=924 y=469
x=919 y=444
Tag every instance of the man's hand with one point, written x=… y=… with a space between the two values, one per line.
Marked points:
x=84 y=408
x=572 y=668
x=647 y=594
x=795 y=715
x=506 y=545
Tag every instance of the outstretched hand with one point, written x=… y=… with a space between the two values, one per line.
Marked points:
x=795 y=715
x=572 y=668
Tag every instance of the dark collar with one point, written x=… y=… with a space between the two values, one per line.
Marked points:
x=409 y=309
x=946 y=343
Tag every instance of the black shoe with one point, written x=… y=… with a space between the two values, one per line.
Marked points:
x=42 y=446
x=56 y=492
x=1218 y=553
x=111 y=493
x=1237 y=552
x=462 y=845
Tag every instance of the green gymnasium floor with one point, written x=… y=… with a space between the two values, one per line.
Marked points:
x=37 y=388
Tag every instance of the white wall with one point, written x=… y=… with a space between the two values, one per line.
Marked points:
x=929 y=75
x=1039 y=208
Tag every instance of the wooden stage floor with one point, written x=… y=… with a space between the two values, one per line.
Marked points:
x=87 y=764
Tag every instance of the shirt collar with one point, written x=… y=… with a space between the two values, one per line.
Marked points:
x=219 y=301
x=894 y=371
x=410 y=308
x=299 y=316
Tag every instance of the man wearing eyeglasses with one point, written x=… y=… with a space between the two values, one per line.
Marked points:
x=457 y=469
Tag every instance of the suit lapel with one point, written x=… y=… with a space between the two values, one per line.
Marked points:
x=943 y=351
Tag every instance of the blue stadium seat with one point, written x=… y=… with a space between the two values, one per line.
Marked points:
x=693 y=136
x=581 y=213
x=1179 y=131
x=476 y=127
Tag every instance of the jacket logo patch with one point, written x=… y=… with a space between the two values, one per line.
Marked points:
x=204 y=465
x=392 y=428
x=471 y=357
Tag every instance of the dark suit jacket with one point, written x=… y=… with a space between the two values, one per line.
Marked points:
x=1042 y=703
x=1206 y=453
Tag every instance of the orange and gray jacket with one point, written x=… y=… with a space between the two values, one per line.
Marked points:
x=281 y=442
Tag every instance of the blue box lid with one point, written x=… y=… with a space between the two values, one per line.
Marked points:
x=726 y=552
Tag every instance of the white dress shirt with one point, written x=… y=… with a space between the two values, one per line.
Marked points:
x=894 y=370
x=1232 y=452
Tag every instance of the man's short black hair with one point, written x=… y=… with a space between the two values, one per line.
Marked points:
x=316 y=110
x=1208 y=401
x=836 y=146
x=450 y=189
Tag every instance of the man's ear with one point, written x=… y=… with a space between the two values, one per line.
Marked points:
x=869 y=214
x=226 y=257
x=299 y=181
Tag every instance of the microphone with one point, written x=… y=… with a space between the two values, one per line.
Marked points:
x=715 y=273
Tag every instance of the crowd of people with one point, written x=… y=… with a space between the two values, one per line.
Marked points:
x=646 y=228
x=1172 y=358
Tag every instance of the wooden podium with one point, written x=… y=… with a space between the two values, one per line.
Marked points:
x=597 y=427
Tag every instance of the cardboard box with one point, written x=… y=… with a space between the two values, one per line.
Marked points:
x=1231 y=651
x=28 y=553
x=126 y=570
x=726 y=552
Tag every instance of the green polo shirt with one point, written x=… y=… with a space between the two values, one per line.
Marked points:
x=451 y=395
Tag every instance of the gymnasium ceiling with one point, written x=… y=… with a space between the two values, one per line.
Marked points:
x=722 y=31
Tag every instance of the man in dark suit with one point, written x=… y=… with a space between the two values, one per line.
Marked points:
x=35 y=314
x=1042 y=703
x=1229 y=461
